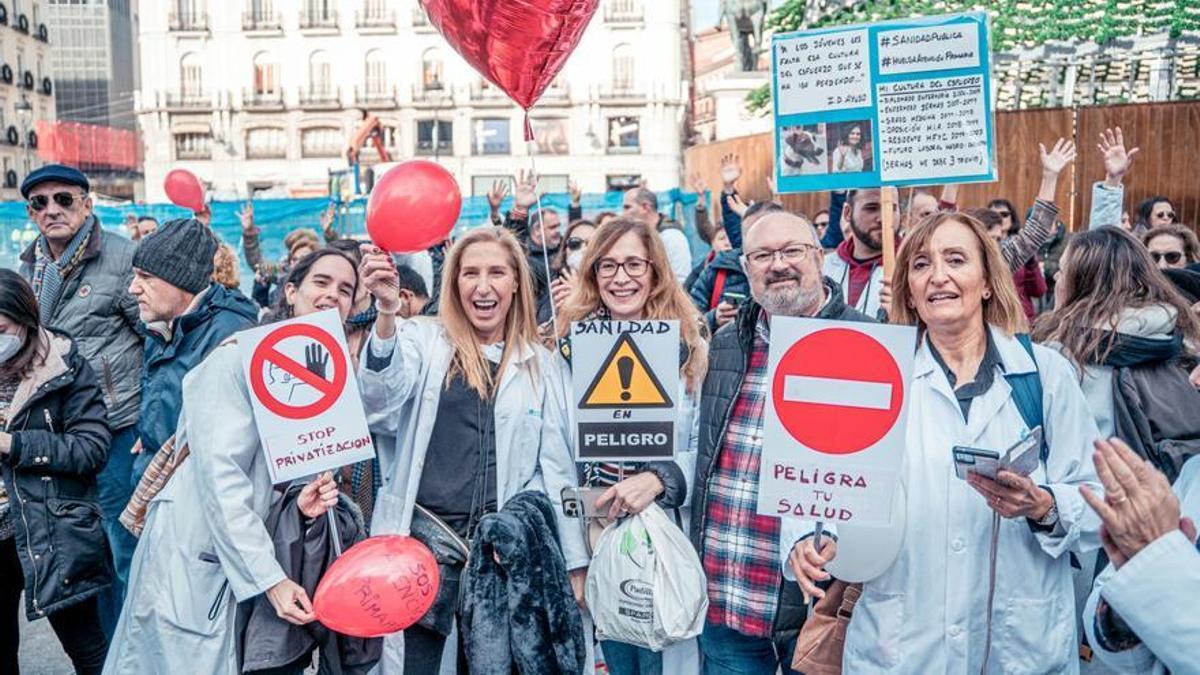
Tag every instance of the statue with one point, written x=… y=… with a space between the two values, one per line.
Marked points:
x=745 y=19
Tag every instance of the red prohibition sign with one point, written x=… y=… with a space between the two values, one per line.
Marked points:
x=330 y=391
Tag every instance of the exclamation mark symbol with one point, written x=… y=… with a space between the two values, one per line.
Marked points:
x=625 y=372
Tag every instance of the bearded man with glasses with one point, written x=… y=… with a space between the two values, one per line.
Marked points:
x=80 y=274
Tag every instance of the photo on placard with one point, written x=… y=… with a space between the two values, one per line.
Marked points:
x=849 y=145
x=802 y=150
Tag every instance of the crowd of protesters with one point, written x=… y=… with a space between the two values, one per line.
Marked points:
x=137 y=513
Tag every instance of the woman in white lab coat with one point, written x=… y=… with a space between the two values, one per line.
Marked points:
x=982 y=581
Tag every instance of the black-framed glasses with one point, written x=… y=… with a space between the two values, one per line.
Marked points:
x=792 y=254
x=1170 y=215
x=634 y=267
x=575 y=243
x=64 y=199
x=1172 y=257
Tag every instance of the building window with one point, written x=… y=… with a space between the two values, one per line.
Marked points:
x=191 y=76
x=622 y=75
x=320 y=73
x=481 y=185
x=322 y=142
x=193 y=146
x=266 y=143
x=376 y=72
x=624 y=134
x=427 y=141
x=431 y=70
x=622 y=183
x=551 y=136
x=491 y=137
x=266 y=74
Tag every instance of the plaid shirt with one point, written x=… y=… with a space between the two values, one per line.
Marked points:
x=741 y=548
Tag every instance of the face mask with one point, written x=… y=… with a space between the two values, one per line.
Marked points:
x=574 y=258
x=9 y=346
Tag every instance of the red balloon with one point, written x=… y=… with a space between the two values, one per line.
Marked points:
x=520 y=45
x=413 y=207
x=378 y=587
x=184 y=189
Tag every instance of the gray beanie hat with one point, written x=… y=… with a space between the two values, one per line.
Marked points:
x=180 y=253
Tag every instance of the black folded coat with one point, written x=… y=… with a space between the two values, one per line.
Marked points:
x=518 y=610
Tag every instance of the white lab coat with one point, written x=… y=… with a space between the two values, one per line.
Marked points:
x=205 y=546
x=928 y=612
x=838 y=269
x=1157 y=592
x=532 y=441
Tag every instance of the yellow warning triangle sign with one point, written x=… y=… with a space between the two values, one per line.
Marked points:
x=625 y=380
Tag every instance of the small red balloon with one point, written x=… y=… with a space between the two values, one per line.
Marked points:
x=377 y=587
x=184 y=189
x=520 y=45
x=414 y=206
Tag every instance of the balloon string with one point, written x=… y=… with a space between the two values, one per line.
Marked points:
x=528 y=128
x=542 y=225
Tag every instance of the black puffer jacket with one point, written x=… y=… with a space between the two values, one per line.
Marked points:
x=60 y=442
x=728 y=358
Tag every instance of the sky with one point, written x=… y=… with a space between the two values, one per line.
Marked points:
x=705 y=12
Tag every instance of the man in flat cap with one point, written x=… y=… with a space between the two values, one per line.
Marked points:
x=81 y=275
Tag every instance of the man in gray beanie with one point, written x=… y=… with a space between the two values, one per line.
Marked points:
x=186 y=316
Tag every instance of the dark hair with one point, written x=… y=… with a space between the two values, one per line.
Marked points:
x=1145 y=209
x=409 y=280
x=818 y=215
x=987 y=216
x=560 y=261
x=844 y=138
x=1103 y=273
x=297 y=275
x=142 y=219
x=602 y=216
x=536 y=215
x=19 y=305
x=351 y=247
x=1017 y=222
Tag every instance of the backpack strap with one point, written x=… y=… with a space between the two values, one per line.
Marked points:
x=1027 y=393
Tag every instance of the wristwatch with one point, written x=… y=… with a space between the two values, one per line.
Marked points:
x=1051 y=517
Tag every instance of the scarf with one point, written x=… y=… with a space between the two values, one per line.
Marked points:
x=50 y=274
x=1131 y=350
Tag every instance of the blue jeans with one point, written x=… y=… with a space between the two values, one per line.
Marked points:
x=725 y=651
x=626 y=659
x=114 y=487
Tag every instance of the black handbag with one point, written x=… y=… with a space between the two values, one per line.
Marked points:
x=451 y=552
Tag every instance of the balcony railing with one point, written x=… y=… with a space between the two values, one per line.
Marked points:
x=321 y=97
x=372 y=97
x=188 y=100
x=262 y=21
x=487 y=93
x=620 y=91
x=557 y=93
x=191 y=22
x=436 y=92
x=623 y=11
x=375 y=18
x=263 y=100
x=312 y=20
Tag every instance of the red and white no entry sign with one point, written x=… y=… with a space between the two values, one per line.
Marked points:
x=267 y=354
x=837 y=391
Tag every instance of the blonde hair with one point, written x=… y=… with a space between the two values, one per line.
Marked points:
x=667 y=299
x=1003 y=310
x=520 y=325
x=225 y=267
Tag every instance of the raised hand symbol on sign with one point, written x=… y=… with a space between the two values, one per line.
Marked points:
x=316 y=360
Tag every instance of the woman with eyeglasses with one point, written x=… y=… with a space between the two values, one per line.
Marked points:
x=1113 y=308
x=1172 y=246
x=626 y=275
x=1010 y=219
x=1157 y=211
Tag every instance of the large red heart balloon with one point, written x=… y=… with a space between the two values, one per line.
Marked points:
x=378 y=587
x=414 y=206
x=520 y=45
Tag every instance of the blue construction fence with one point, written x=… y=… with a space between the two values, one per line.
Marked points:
x=276 y=217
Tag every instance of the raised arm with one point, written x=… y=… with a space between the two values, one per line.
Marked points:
x=1040 y=225
x=1108 y=197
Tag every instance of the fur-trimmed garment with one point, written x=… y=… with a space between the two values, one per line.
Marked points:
x=519 y=614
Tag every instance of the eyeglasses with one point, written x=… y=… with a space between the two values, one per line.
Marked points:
x=1172 y=257
x=64 y=199
x=792 y=254
x=575 y=243
x=1003 y=214
x=634 y=267
x=1169 y=215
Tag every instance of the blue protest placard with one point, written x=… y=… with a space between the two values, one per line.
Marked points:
x=895 y=103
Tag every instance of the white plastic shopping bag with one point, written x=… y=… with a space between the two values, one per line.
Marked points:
x=646 y=586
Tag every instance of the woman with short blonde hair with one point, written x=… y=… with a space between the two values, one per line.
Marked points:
x=983 y=564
